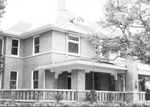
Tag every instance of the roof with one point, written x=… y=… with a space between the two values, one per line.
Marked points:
x=88 y=65
x=61 y=21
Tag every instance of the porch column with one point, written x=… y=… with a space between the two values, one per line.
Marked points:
x=41 y=82
x=119 y=83
x=50 y=80
x=132 y=81
x=78 y=79
x=78 y=83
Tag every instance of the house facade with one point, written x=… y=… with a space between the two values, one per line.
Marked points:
x=58 y=55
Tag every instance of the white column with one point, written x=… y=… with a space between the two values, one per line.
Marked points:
x=0 y=81
x=41 y=84
x=78 y=79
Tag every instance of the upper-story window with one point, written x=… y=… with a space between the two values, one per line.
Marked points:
x=36 y=43
x=13 y=79
x=73 y=44
x=15 y=47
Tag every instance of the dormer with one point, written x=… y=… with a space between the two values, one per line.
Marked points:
x=78 y=20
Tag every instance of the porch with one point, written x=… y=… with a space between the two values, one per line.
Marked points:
x=48 y=95
x=80 y=75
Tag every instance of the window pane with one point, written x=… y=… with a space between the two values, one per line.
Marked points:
x=73 y=38
x=13 y=76
x=14 y=51
x=15 y=43
x=35 y=75
x=36 y=41
x=36 y=49
x=12 y=84
x=73 y=47
x=35 y=84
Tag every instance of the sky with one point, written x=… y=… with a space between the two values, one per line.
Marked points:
x=36 y=11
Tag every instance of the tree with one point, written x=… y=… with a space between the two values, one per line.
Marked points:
x=2 y=7
x=129 y=21
x=2 y=11
x=1 y=63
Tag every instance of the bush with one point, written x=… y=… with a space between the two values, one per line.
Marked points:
x=91 y=97
x=58 y=97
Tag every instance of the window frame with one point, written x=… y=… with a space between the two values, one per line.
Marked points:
x=38 y=36
x=72 y=41
x=32 y=80
x=18 y=48
x=13 y=80
x=2 y=44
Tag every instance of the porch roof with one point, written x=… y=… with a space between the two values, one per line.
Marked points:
x=86 y=65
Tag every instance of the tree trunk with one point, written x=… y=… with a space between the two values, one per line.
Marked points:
x=132 y=79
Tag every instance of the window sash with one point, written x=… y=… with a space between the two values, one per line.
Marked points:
x=73 y=47
x=35 y=79
x=35 y=84
x=13 y=84
x=36 y=48
x=15 y=43
x=73 y=38
x=36 y=44
x=14 y=50
x=36 y=41
x=15 y=47
x=13 y=80
x=74 y=44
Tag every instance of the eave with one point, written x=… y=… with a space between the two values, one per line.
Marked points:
x=43 y=29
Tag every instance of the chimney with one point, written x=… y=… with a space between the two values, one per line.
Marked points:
x=61 y=5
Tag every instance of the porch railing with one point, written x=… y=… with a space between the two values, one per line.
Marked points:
x=68 y=95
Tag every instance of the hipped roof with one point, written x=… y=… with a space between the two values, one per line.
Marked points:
x=61 y=21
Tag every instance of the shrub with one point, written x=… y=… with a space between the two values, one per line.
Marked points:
x=58 y=97
x=91 y=97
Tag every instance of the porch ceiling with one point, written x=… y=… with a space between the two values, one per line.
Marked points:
x=86 y=65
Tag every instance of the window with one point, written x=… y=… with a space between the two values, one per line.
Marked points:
x=15 y=47
x=73 y=44
x=35 y=79
x=13 y=80
x=69 y=81
x=36 y=45
x=1 y=46
x=96 y=81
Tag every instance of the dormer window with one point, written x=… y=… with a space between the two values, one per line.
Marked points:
x=15 y=47
x=36 y=45
x=73 y=44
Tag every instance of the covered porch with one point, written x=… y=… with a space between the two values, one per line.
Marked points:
x=82 y=75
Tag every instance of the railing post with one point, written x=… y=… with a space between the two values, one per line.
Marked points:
x=13 y=95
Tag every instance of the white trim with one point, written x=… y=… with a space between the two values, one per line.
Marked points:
x=32 y=79
x=81 y=64
x=33 y=47
x=77 y=42
x=0 y=81
x=44 y=28
x=16 y=78
x=17 y=48
x=63 y=53
x=2 y=44
x=144 y=72
x=43 y=79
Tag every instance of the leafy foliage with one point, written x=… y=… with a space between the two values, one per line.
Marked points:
x=91 y=96
x=58 y=97
x=129 y=21
x=1 y=63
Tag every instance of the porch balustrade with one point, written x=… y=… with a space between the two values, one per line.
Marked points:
x=68 y=95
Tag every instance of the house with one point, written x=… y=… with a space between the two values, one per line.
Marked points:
x=57 y=55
